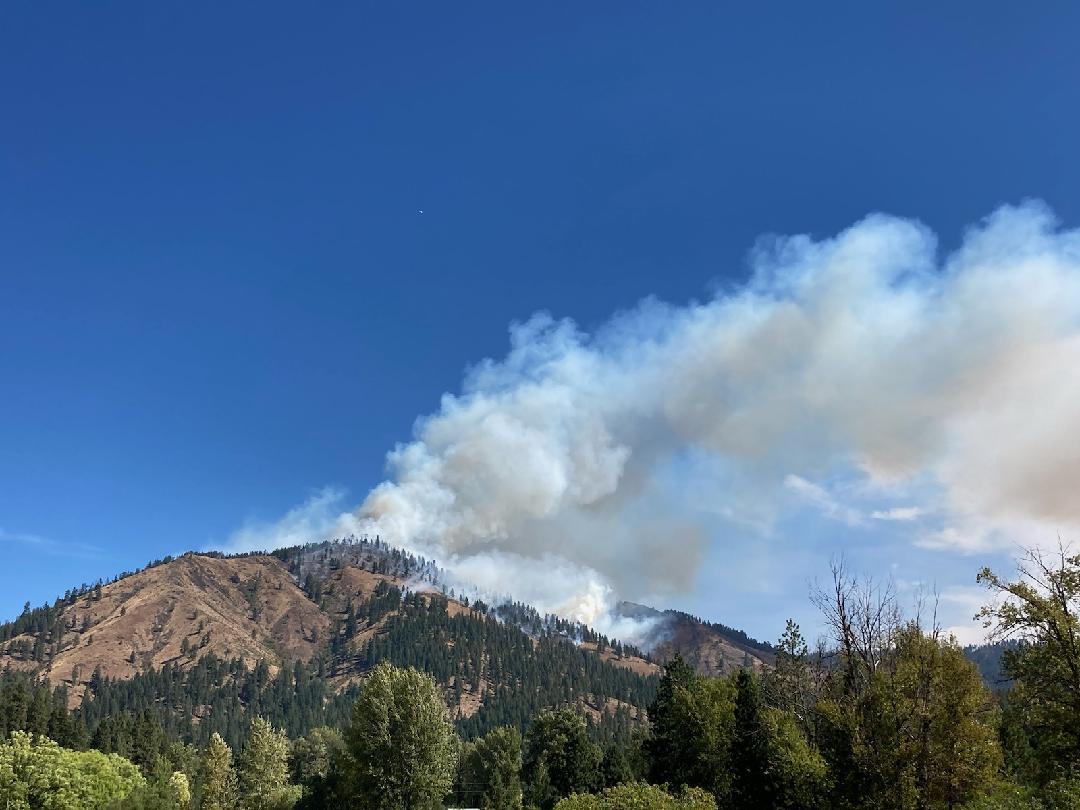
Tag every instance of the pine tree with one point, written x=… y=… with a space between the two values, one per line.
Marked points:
x=750 y=750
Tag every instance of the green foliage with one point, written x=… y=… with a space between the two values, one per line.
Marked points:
x=219 y=781
x=264 y=770
x=751 y=786
x=623 y=762
x=1041 y=609
x=138 y=717
x=318 y=764
x=918 y=734
x=798 y=775
x=692 y=725
x=639 y=796
x=33 y=706
x=559 y=759
x=401 y=741
x=524 y=674
x=165 y=790
x=38 y=774
x=489 y=771
x=791 y=684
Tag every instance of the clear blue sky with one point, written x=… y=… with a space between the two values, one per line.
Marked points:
x=217 y=293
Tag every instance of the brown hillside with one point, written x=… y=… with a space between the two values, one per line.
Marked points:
x=251 y=608
x=245 y=607
x=704 y=648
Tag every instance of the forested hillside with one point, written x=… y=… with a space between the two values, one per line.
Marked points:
x=199 y=644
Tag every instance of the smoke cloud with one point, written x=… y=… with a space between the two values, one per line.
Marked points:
x=584 y=466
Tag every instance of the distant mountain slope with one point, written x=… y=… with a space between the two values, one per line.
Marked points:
x=988 y=659
x=202 y=639
x=712 y=649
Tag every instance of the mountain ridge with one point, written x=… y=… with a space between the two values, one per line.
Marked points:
x=333 y=609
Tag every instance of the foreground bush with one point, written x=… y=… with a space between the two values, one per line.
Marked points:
x=37 y=774
x=639 y=796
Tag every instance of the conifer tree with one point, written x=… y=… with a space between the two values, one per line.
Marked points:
x=666 y=727
x=750 y=787
x=691 y=724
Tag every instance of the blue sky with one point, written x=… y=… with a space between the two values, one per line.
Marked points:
x=218 y=294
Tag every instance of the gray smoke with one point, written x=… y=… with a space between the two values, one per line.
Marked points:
x=581 y=466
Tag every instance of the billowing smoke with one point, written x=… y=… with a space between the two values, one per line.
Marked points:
x=584 y=466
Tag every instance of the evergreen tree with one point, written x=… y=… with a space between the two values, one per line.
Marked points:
x=664 y=747
x=691 y=728
x=750 y=788
x=789 y=685
x=617 y=766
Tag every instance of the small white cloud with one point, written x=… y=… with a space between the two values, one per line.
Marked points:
x=954 y=538
x=822 y=500
x=966 y=634
x=49 y=545
x=899 y=513
x=20 y=537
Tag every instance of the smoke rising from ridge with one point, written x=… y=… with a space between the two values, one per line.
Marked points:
x=581 y=466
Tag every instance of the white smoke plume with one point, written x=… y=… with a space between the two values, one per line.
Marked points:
x=583 y=466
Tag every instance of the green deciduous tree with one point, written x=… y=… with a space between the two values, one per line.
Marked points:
x=559 y=759
x=401 y=741
x=37 y=774
x=904 y=719
x=264 y=770
x=1041 y=608
x=317 y=763
x=219 y=782
x=490 y=771
x=165 y=790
